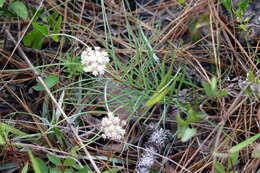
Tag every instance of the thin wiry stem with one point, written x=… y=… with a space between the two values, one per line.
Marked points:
x=41 y=81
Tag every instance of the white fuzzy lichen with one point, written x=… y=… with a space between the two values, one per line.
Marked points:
x=155 y=144
x=94 y=60
x=112 y=127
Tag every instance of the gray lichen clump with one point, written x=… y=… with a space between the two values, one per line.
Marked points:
x=153 y=147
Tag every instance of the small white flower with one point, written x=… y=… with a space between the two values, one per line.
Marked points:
x=112 y=127
x=94 y=60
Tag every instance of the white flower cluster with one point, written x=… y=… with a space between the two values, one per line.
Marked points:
x=94 y=60
x=112 y=127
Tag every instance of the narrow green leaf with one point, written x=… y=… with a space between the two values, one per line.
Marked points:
x=35 y=164
x=162 y=90
x=227 y=5
x=50 y=81
x=7 y=128
x=25 y=168
x=19 y=8
x=52 y=18
x=69 y=162
x=251 y=76
x=55 y=160
x=56 y=29
x=219 y=168
x=232 y=161
x=55 y=170
x=244 y=144
x=83 y=170
x=42 y=165
x=243 y=5
x=213 y=84
x=157 y=97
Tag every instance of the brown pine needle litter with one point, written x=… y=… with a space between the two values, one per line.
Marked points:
x=129 y=86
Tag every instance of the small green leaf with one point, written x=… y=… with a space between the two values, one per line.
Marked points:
x=194 y=116
x=6 y=13
x=219 y=168
x=2 y=3
x=213 y=84
x=68 y=171
x=42 y=165
x=243 y=5
x=222 y=93
x=238 y=13
x=244 y=144
x=57 y=29
x=50 y=81
x=75 y=149
x=181 y=1
x=37 y=14
x=35 y=37
x=25 y=168
x=83 y=170
x=19 y=8
x=180 y=121
x=55 y=160
x=43 y=29
x=52 y=18
x=227 y=5
x=35 y=164
x=77 y=166
x=251 y=76
x=244 y=27
x=188 y=133
x=55 y=170
x=69 y=162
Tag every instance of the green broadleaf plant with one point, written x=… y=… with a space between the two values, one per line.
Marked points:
x=50 y=81
x=184 y=132
x=41 y=30
x=55 y=160
x=19 y=8
x=211 y=89
x=14 y=9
